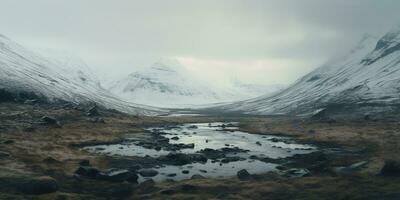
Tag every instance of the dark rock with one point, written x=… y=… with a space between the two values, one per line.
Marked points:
x=87 y=171
x=51 y=160
x=185 y=172
x=391 y=168
x=292 y=173
x=175 y=138
x=193 y=127
x=148 y=172
x=258 y=143
x=167 y=191
x=4 y=154
x=134 y=168
x=197 y=176
x=147 y=186
x=9 y=142
x=243 y=175
x=93 y=111
x=281 y=167
x=84 y=163
x=39 y=185
x=274 y=140
x=46 y=120
x=171 y=175
x=203 y=171
x=6 y=96
x=148 y=183
x=117 y=175
x=231 y=159
x=188 y=188
x=182 y=159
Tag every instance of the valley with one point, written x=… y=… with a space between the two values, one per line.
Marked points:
x=32 y=151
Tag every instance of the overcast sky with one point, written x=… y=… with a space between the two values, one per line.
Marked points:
x=259 y=41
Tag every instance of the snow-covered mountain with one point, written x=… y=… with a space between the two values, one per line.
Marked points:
x=167 y=83
x=22 y=70
x=366 y=80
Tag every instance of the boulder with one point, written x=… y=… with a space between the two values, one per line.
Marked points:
x=84 y=163
x=197 y=176
x=88 y=171
x=148 y=172
x=39 y=185
x=117 y=175
x=50 y=121
x=243 y=175
x=185 y=171
x=175 y=138
x=293 y=173
x=4 y=154
x=391 y=168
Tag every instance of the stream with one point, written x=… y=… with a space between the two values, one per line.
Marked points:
x=213 y=150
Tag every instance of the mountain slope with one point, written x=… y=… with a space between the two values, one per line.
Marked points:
x=24 y=71
x=166 y=83
x=366 y=80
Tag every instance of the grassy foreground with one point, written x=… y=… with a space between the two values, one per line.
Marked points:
x=32 y=152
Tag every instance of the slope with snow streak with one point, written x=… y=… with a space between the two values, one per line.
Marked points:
x=368 y=77
x=22 y=70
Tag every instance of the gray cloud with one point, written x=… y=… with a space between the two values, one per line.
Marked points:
x=117 y=36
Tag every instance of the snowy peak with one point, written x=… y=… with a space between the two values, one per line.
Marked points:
x=165 y=83
x=167 y=65
x=25 y=71
x=367 y=77
x=385 y=46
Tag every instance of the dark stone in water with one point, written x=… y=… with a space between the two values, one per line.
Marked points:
x=292 y=173
x=243 y=175
x=258 y=143
x=182 y=159
x=117 y=175
x=185 y=172
x=231 y=159
x=148 y=172
x=197 y=176
x=193 y=127
x=171 y=175
x=175 y=138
